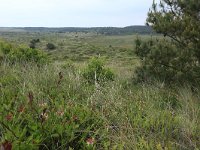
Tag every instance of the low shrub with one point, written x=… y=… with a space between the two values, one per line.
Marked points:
x=50 y=46
x=5 y=47
x=27 y=54
x=96 y=72
x=19 y=53
x=50 y=126
x=42 y=109
x=33 y=43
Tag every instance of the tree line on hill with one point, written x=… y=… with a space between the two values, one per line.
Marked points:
x=99 y=30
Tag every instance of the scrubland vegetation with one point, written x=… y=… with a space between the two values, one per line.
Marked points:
x=102 y=92
x=54 y=107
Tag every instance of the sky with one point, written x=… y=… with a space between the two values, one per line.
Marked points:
x=73 y=13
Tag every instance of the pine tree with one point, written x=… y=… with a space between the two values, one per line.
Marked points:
x=179 y=57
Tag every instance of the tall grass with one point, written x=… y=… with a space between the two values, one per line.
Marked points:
x=116 y=115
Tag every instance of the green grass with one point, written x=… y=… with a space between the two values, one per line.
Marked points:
x=122 y=115
x=80 y=47
x=53 y=107
x=118 y=51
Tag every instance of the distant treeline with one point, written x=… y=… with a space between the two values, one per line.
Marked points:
x=98 y=30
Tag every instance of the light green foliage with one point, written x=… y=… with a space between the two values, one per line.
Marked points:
x=20 y=53
x=96 y=72
x=5 y=48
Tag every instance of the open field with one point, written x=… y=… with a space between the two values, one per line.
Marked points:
x=118 y=51
x=79 y=43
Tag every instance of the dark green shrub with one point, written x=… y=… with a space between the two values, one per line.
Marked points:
x=165 y=61
x=33 y=43
x=96 y=72
x=50 y=46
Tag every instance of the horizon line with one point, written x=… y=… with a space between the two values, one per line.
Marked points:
x=69 y=26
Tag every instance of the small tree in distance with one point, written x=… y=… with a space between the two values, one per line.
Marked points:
x=33 y=43
x=50 y=46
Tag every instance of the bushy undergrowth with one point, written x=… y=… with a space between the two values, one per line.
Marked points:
x=51 y=107
x=40 y=109
x=13 y=53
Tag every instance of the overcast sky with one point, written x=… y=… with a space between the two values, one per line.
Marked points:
x=73 y=13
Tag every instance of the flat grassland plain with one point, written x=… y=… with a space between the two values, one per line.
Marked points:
x=117 y=50
x=68 y=113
